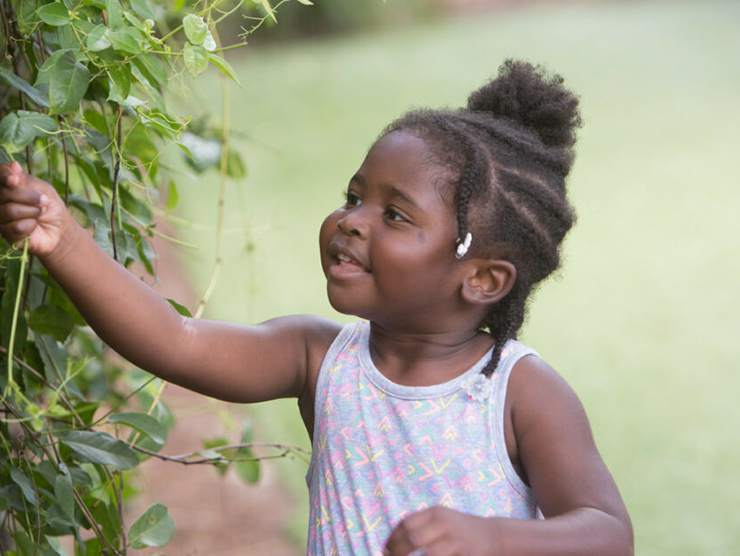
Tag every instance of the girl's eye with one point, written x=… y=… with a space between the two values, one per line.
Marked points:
x=351 y=199
x=393 y=216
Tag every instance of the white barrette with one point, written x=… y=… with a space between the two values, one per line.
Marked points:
x=463 y=246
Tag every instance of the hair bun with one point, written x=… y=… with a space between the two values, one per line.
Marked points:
x=538 y=101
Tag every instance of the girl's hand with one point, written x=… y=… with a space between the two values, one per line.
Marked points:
x=30 y=207
x=443 y=532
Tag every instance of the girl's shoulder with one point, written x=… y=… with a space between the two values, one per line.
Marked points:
x=536 y=389
x=318 y=334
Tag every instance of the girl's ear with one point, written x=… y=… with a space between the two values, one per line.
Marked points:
x=489 y=281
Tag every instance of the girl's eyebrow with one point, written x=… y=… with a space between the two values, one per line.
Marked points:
x=394 y=191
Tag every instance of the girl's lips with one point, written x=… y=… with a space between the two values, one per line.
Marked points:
x=346 y=267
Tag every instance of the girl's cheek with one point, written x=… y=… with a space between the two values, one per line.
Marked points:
x=327 y=230
x=328 y=226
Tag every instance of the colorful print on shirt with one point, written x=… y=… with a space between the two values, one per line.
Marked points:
x=382 y=451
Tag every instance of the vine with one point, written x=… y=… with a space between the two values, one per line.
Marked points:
x=83 y=90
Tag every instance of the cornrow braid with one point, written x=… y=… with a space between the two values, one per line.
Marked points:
x=507 y=156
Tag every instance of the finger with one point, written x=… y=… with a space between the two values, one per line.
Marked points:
x=13 y=178
x=403 y=540
x=12 y=172
x=15 y=231
x=15 y=211
x=23 y=196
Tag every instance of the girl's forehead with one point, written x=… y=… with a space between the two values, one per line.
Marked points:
x=406 y=160
x=402 y=143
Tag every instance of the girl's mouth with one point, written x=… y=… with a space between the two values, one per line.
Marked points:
x=347 y=267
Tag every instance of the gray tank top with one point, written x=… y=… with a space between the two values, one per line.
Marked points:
x=382 y=451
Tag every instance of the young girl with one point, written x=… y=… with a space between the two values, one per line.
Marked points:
x=432 y=427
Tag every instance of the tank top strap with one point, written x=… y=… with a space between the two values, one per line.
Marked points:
x=512 y=353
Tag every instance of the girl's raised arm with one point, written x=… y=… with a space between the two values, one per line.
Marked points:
x=228 y=361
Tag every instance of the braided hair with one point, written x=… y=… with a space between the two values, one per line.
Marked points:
x=507 y=156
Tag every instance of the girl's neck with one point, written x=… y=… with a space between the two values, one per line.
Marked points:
x=424 y=359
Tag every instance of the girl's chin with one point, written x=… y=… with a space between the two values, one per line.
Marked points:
x=345 y=304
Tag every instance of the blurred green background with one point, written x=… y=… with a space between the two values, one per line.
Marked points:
x=642 y=319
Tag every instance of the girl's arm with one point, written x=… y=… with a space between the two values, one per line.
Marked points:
x=232 y=362
x=584 y=513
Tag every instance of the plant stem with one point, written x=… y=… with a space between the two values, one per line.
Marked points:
x=185 y=459
x=116 y=173
x=66 y=163
x=16 y=311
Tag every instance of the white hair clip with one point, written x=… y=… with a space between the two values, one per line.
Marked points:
x=463 y=246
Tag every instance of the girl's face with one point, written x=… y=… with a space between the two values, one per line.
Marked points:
x=388 y=253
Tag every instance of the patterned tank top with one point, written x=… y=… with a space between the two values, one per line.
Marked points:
x=382 y=451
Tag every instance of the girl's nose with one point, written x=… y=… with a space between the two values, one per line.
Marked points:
x=354 y=223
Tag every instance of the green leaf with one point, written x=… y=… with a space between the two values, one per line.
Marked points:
x=195 y=28
x=24 y=483
x=145 y=424
x=153 y=68
x=24 y=542
x=55 y=14
x=22 y=85
x=106 y=515
x=172 y=198
x=268 y=8
x=97 y=39
x=154 y=528
x=18 y=129
x=161 y=123
x=114 y=12
x=120 y=74
x=196 y=59
x=14 y=137
x=184 y=311
x=80 y=476
x=52 y=320
x=68 y=40
x=27 y=16
x=91 y=547
x=142 y=9
x=306 y=2
x=126 y=39
x=67 y=79
x=55 y=359
x=55 y=545
x=41 y=123
x=225 y=67
x=64 y=493
x=134 y=205
x=235 y=167
x=249 y=471
x=209 y=43
x=86 y=411
x=100 y=447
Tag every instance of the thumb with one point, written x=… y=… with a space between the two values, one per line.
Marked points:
x=11 y=174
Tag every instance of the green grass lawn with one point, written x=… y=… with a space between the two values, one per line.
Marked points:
x=642 y=321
